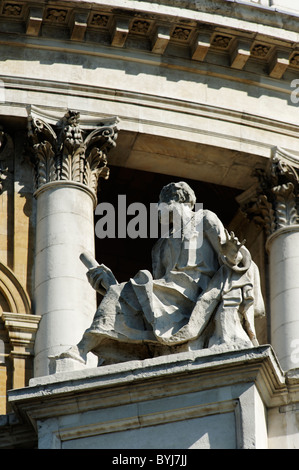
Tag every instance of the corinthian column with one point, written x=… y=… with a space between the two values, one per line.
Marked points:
x=273 y=202
x=67 y=164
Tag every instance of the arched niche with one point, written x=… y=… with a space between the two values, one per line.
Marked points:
x=13 y=297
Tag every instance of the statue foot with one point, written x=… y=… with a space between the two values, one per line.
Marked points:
x=72 y=353
x=69 y=360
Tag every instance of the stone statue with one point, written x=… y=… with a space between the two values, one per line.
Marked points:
x=199 y=295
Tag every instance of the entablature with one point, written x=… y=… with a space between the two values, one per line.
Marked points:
x=239 y=31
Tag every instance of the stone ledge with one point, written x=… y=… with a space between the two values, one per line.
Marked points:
x=191 y=361
x=89 y=407
x=221 y=367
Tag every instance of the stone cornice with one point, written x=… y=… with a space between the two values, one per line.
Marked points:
x=239 y=31
x=53 y=395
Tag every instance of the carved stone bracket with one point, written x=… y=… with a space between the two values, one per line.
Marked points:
x=273 y=201
x=21 y=330
x=66 y=152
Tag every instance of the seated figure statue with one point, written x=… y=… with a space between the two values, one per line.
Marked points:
x=204 y=292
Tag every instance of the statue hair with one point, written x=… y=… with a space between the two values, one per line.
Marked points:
x=178 y=192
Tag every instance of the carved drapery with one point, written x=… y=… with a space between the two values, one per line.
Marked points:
x=66 y=152
x=273 y=201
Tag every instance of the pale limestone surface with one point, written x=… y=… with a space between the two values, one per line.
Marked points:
x=283 y=255
x=285 y=5
x=64 y=226
x=201 y=118
x=137 y=404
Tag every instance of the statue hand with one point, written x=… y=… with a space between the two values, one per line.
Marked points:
x=231 y=248
x=101 y=277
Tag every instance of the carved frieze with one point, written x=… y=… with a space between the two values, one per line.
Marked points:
x=294 y=61
x=56 y=15
x=181 y=34
x=99 y=20
x=66 y=152
x=273 y=201
x=260 y=50
x=12 y=9
x=140 y=26
x=136 y=25
x=221 y=42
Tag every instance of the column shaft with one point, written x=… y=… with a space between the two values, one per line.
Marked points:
x=63 y=296
x=67 y=161
x=283 y=249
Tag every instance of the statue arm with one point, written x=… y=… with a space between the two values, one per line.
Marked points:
x=225 y=244
x=101 y=278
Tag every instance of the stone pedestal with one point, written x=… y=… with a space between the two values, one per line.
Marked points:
x=194 y=400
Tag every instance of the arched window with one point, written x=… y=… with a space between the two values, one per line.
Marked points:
x=17 y=334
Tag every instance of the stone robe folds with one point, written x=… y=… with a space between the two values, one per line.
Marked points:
x=189 y=283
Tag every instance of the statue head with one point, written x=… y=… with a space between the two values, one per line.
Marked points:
x=178 y=192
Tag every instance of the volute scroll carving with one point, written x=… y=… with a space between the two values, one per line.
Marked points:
x=273 y=201
x=66 y=152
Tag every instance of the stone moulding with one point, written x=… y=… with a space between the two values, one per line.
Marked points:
x=170 y=381
x=70 y=184
x=21 y=329
x=187 y=24
x=15 y=295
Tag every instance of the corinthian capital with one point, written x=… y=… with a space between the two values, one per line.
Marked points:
x=66 y=152
x=273 y=201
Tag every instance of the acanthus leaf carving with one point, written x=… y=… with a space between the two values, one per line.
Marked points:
x=274 y=202
x=45 y=170
x=68 y=153
x=285 y=205
x=96 y=166
x=262 y=213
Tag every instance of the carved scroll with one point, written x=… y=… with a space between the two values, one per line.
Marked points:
x=273 y=202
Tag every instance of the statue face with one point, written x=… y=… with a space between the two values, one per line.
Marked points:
x=172 y=210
